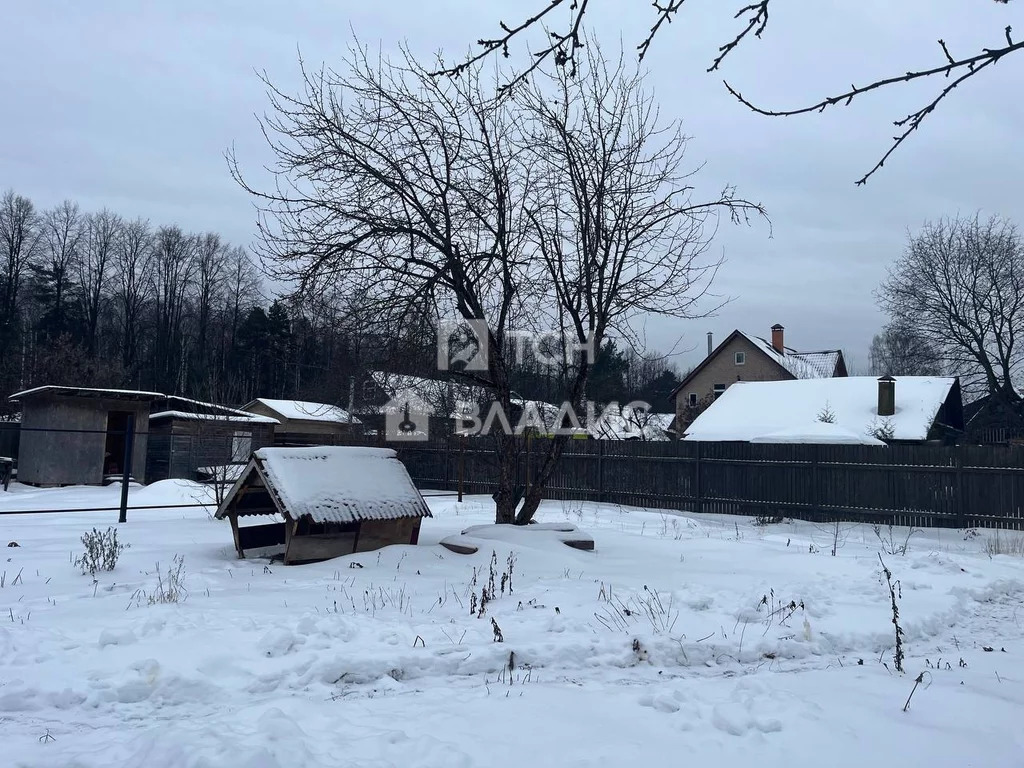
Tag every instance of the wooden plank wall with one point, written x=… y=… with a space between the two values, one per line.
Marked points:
x=921 y=485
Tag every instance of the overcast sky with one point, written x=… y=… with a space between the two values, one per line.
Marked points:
x=131 y=105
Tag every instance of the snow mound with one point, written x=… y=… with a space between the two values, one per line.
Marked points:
x=537 y=535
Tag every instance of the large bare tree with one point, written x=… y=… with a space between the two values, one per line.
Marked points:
x=558 y=30
x=960 y=286
x=565 y=206
x=132 y=261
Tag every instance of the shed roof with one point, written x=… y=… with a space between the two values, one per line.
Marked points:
x=230 y=418
x=304 y=410
x=750 y=410
x=339 y=484
x=93 y=392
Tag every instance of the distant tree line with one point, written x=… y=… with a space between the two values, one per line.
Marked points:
x=98 y=299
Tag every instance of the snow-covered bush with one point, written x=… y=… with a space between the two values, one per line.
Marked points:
x=101 y=551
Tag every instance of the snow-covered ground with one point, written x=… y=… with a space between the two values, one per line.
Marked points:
x=705 y=641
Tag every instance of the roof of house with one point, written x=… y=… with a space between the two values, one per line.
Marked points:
x=302 y=410
x=439 y=397
x=94 y=392
x=339 y=484
x=803 y=365
x=818 y=433
x=758 y=410
x=800 y=365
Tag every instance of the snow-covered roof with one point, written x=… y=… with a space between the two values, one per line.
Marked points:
x=819 y=433
x=627 y=423
x=302 y=410
x=438 y=396
x=339 y=484
x=244 y=418
x=122 y=394
x=750 y=410
x=803 y=365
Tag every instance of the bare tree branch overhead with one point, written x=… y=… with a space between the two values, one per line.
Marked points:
x=563 y=42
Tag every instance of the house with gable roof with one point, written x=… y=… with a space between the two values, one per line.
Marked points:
x=745 y=357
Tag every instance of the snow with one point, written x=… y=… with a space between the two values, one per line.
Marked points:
x=94 y=390
x=381 y=663
x=340 y=484
x=247 y=418
x=301 y=410
x=817 y=432
x=753 y=409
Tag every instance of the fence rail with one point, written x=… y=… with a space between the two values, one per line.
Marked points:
x=918 y=485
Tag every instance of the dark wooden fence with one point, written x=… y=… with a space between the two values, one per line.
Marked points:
x=919 y=485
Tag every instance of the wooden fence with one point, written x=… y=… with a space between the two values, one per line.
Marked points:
x=919 y=485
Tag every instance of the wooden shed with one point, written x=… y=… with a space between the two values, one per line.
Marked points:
x=305 y=423
x=77 y=435
x=335 y=500
x=192 y=439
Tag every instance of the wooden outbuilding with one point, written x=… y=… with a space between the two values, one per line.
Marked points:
x=301 y=422
x=334 y=501
x=192 y=439
x=78 y=435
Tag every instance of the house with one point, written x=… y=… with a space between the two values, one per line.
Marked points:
x=192 y=439
x=77 y=435
x=745 y=357
x=855 y=409
x=305 y=423
x=989 y=420
x=335 y=500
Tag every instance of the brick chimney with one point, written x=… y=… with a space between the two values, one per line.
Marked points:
x=886 y=396
x=777 y=338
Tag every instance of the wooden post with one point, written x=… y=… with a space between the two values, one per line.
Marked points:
x=126 y=466
x=462 y=465
x=233 y=517
x=698 y=491
x=600 y=471
x=961 y=510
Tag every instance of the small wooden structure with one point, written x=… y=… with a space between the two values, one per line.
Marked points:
x=305 y=423
x=335 y=500
x=187 y=437
x=78 y=435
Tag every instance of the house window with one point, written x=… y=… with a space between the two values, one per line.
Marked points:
x=719 y=389
x=692 y=398
x=741 y=358
x=241 y=446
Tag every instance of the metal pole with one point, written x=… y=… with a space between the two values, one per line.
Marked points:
x=126 y=466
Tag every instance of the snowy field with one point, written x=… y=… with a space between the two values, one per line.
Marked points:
x=679 y=640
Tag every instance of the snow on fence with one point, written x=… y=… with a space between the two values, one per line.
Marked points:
x=917 y=485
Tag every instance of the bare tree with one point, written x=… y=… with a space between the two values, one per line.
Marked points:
x=99 y=242
x=132 y=259
x=960 y=286
x=899 y=350
x=62 y=228
x=561 y=44
x=426 y=197
x=173 y=273
x=19 y=238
